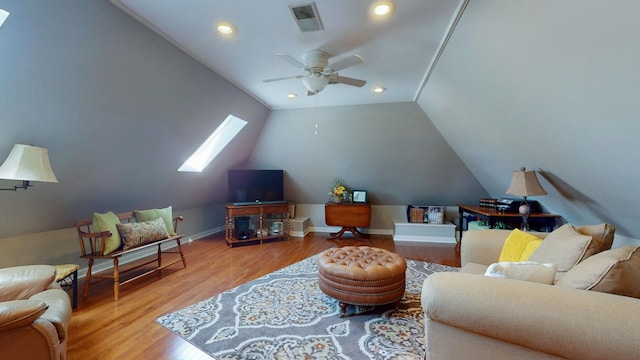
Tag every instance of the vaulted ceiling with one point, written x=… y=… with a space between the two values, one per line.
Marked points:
x=546 y=84
x=398 y=50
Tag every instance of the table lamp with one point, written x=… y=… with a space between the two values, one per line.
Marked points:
x=525 y=183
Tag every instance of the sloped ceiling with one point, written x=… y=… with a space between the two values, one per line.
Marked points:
x=544 y=84
x=397 y=50
x=119 y=108
x=552 y=86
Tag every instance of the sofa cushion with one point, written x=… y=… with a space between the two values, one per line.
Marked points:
x=518 y=246
x=473 y=268
x=107 y=222
x=140 y=233
x=151 y=214
x=615 y=271
x=565 y=247
x=602 y=235
x=523 y=270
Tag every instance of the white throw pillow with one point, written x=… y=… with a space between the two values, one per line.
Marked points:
x=525 y=270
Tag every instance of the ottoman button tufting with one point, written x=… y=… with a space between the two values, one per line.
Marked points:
x=361 y=275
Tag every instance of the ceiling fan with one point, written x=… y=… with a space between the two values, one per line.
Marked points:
x=318 y=71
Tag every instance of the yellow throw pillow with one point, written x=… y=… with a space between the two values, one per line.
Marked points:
x=529 y=249
x=515 y=246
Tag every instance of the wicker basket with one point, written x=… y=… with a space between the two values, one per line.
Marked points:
x=416 y=215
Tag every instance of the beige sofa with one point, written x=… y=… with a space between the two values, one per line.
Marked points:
x=470 y=316
x=34 y=314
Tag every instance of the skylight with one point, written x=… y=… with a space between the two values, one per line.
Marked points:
x=211 y=147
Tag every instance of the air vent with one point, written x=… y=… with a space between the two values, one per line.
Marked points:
x=306 y=16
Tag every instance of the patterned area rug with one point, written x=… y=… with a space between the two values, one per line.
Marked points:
x=284 y=315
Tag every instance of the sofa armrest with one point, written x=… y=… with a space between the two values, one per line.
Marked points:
x=570 y=323
x=482 y=246
x=59 y=311
x=18 y=313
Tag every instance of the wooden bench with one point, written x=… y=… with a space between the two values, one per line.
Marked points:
x=92 y=246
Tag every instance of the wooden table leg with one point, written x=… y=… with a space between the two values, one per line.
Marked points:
x=356 y=233
x=336 y=235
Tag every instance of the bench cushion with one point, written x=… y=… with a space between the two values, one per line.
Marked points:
x=108 y=222
x=140 y=233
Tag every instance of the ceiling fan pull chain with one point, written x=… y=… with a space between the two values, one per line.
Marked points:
x=316 y=130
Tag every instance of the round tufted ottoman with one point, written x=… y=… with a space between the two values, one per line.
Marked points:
x=361 y=275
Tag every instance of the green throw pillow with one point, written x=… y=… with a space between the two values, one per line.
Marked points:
x=108 y=222
x=149 y=215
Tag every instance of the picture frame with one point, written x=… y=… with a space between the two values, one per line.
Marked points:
x=359 y=196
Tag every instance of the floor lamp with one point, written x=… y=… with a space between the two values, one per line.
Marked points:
x=27 y=163
x=525 y=183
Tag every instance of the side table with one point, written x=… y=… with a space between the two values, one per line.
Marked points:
x=67 y=277
x=350 y=216
x=544 y=221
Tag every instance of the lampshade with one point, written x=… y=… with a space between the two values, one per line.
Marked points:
x=28 y=163
x=315 y=82
x=525 y=183
x=3 y=16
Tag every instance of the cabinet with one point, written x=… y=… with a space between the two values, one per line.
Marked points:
x=255 y=223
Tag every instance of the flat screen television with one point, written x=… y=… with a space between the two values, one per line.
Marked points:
x=248 y=187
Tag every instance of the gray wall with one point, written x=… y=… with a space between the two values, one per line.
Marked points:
x=391 y=150
x=550 y=85
x=120 y=109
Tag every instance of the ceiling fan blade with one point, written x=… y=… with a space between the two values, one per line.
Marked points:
x=346 y=80
x=284 y=78
x=346 y=62
x=291 y=60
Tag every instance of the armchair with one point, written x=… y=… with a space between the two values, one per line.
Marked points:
x=34 y=314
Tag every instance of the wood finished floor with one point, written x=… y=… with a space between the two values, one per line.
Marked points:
x=104 y=329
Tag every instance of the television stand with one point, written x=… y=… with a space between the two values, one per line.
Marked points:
x=264 y=214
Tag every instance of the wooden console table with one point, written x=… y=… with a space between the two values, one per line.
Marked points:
x=541 y=221
x=261 y=213
x=350 y=216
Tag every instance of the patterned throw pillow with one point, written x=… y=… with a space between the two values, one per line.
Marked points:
x=140 y=233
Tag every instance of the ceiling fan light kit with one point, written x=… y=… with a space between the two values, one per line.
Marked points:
x=315 y=82
x=319 y=73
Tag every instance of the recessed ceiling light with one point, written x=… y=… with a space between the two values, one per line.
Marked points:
x=226 y=29
x=292 y=96
x=378 y=89
x=382 y=8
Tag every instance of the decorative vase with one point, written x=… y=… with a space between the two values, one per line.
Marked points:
x=337 y=199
